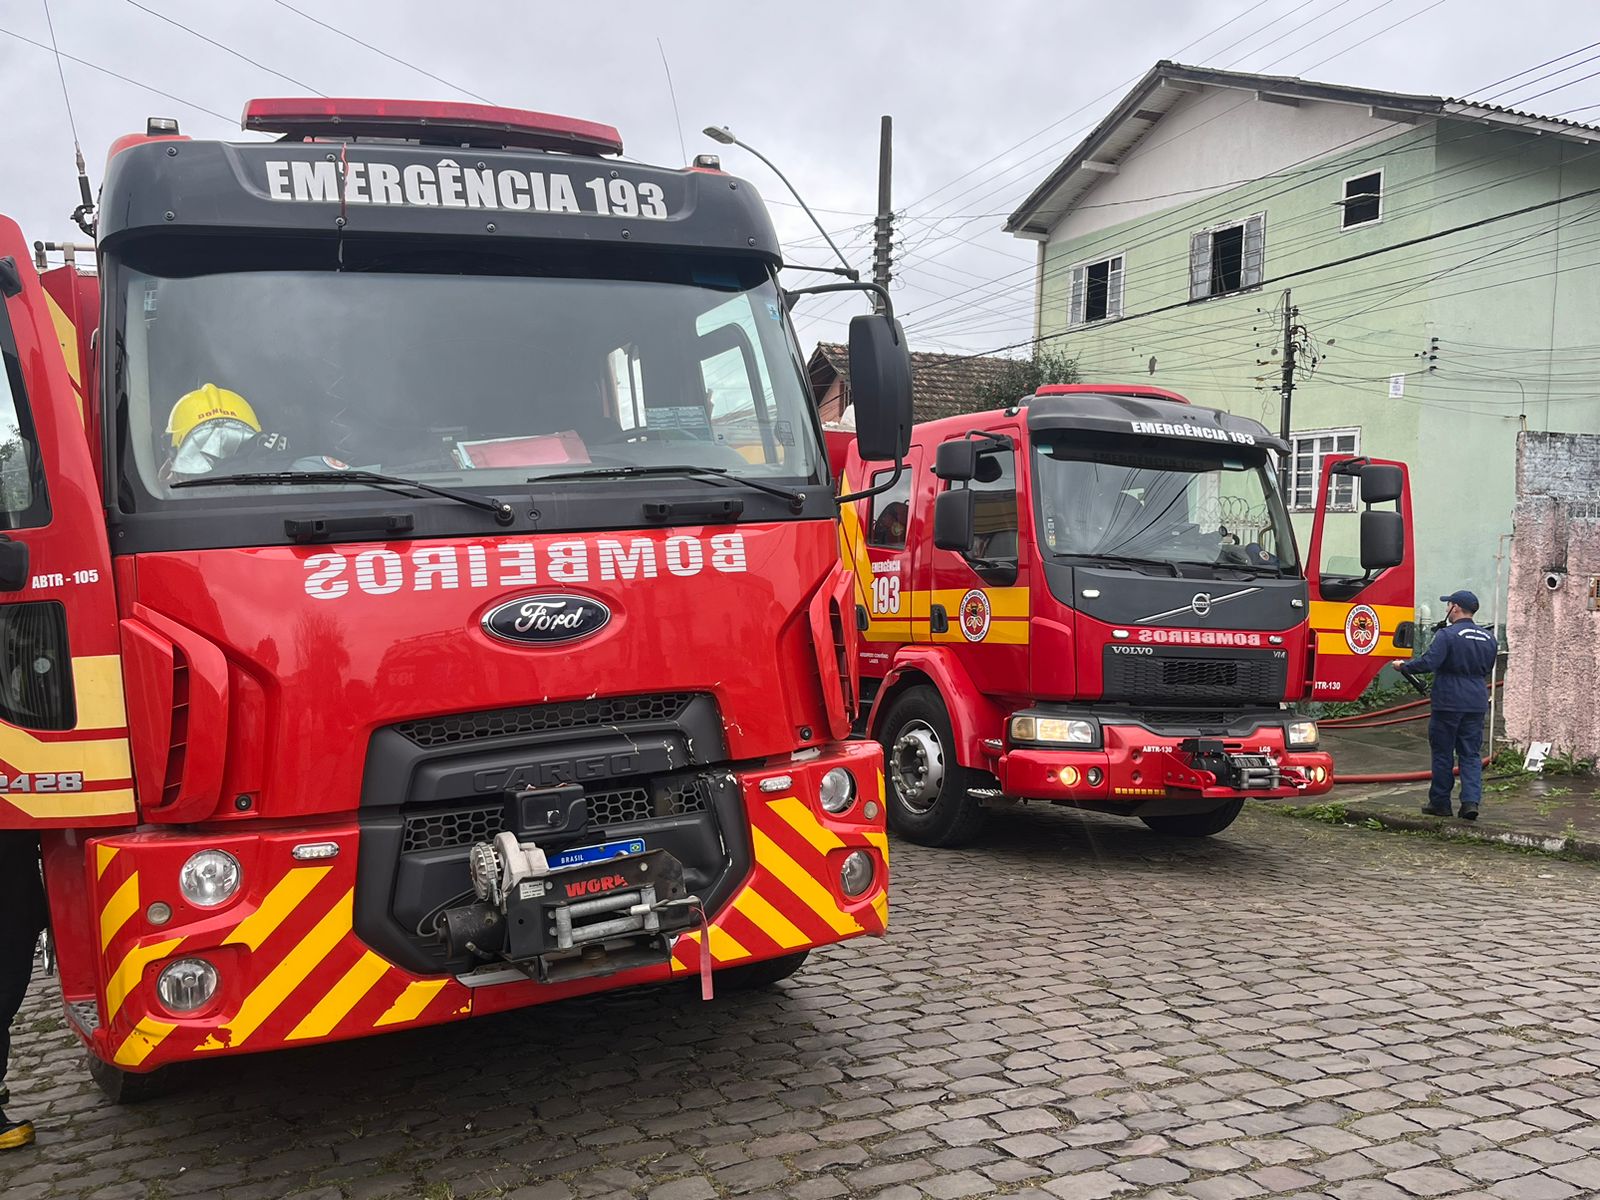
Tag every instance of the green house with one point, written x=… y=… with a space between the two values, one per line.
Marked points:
x=1440 y=259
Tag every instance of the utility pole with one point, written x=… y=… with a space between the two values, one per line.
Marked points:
x=1287 y=402
x=883 y=224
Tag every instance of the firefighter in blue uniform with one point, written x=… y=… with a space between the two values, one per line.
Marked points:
x=1461 y=658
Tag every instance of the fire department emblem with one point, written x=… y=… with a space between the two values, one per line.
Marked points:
x=975 y=615
x=1361 y=629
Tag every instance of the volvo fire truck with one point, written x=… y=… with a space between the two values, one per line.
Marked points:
x=1095 y=598
x=421 y=595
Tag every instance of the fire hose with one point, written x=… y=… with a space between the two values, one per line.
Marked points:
x=1397 y=776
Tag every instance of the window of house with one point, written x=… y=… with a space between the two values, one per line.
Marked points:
x=1096 y=291
x=1227 y=258
x=1363 y=199
x=891 y=511
x=1311 y=449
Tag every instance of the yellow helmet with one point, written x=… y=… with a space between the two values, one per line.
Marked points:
x=208 y=403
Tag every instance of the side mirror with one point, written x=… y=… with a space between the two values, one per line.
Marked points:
x=1381 y=484
x=956 y=460
x=13 y=565
x=880 y=387
x=953 y=520
x=1383 y=540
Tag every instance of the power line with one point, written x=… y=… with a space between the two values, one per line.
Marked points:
x=116 y=75
x=407 y=63
x=225 y=48
x=1338 y=262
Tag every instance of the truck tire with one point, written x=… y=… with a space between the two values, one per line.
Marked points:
x=1200 y=824
x=927 y=788
x=127 y=1087
x=754 y=976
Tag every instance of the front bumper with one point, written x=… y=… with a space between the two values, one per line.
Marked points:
x=1134 y=766
x=293 y=971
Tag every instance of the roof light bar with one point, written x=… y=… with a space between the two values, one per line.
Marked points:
x=430 y=121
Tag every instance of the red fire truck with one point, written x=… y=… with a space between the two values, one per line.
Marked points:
x=420 y=585
x=1095 y=598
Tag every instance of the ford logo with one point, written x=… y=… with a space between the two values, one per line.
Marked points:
x=546 y=620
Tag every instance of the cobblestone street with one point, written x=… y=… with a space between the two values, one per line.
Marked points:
x=1076 y=1009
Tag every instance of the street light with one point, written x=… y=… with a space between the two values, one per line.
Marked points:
x=725 y=135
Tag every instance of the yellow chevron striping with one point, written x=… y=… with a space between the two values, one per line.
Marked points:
x=799 y=818
x=138 y=1045
x=97 y=682
x=97 y=759
x=60 y=805
x=291 y=970
x=103 y=854
x=724 y=948
x=126 y=977
x=341 y=998
x=880 y=905
x=881 y=842
x=759 y=911
x=806 y=889
x=409 y=1004
x=282 y=900
x=119 y=909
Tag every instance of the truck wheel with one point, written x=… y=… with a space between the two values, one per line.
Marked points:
x=754 y=976
x=126 y=1087
x=927 y=787
x=1201 y=824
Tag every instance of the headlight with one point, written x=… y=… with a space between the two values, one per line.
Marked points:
x=855 y=877
x=1301 y=734
x=838 y=790
x=187 y=984
x=209 y=878
x=1057 y=730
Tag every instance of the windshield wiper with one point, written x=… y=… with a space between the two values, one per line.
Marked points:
x=1124 y=560
x=718 y=475
x=503 y=513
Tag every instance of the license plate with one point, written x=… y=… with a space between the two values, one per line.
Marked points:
x=584 y=855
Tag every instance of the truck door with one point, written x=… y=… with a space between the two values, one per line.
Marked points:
x=977 y=601
x=1361 y=574
x=878 y=542
x=63 y=728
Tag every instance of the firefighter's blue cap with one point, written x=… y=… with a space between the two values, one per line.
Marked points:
x=1463 y=599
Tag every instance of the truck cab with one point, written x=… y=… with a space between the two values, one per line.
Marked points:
x=1096 y=598
x=423 y=477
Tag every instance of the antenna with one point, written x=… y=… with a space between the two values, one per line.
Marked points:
x=83 y=215
x=673 y=92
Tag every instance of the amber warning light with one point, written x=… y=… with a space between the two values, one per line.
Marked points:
x=429 y=121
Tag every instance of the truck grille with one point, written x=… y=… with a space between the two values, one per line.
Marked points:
x=544 y=718
x=1184 y=676
x=670 y=796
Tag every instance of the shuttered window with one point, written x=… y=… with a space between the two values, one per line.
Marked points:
x=1096 y=291
x=1228 y=258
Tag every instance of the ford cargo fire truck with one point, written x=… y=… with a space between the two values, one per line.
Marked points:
x=1095 y=598
x=420 y=583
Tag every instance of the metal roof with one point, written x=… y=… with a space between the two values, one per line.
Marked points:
x=1167 y=83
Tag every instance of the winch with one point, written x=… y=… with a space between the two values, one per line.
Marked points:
x=567 y=922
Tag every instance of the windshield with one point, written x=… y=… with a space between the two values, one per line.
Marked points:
x=1117 y=498
x=478 y=379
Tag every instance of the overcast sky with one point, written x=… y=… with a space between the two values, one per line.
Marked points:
x=966 y=83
